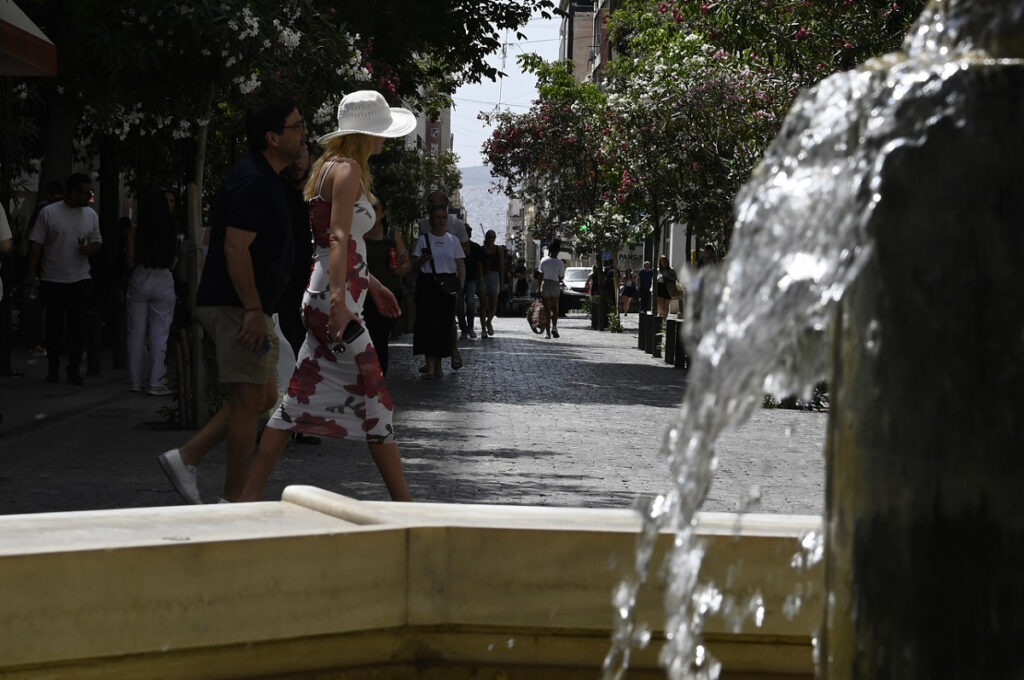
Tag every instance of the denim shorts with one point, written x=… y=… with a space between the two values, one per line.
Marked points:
x=489 y=285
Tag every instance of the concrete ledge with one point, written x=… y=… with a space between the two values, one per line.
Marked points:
x=319 y=582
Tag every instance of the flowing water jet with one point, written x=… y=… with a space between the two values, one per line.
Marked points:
x=889 y=210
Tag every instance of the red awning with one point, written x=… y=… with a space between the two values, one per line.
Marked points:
x=24 y=50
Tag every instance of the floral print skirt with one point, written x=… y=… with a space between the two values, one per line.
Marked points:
x=335 y=395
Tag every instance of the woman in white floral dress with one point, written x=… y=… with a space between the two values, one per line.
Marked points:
x=337 y=389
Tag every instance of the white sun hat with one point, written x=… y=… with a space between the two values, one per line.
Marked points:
x=367 y=112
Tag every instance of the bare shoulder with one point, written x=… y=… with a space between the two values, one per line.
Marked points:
x=342 y=175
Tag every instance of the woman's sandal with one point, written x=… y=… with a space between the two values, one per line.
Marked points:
x=456 y=361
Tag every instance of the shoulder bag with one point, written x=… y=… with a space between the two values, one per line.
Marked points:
x=675 y=291
x=448 y=283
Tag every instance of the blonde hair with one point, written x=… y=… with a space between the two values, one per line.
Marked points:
x=355 y=146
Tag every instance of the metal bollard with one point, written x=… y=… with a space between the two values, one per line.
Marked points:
x=641 y=336
x=654 y=336
x=671 y=340
x=682 y=358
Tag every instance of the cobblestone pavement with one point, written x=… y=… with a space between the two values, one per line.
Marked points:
x=576 y=421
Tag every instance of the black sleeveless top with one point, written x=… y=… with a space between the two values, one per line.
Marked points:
x=377 y=261
x=491 y=261
x=156 y=243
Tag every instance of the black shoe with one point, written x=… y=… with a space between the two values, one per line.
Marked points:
x=554 y=332
x=456 y=361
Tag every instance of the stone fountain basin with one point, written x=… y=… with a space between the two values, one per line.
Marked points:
x=319 y=585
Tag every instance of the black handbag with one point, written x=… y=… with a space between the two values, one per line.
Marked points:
x=448 y=283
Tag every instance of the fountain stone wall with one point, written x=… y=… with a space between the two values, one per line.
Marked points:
x=925 y=453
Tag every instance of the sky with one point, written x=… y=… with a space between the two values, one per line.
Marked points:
x=515 y=92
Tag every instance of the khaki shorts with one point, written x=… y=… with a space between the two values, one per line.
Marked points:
x=235 y=363
x=550 y=289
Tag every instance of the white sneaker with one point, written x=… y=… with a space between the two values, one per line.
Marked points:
x=158 y=391
x=182 y=476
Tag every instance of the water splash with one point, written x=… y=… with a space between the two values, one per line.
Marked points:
x=802 y=236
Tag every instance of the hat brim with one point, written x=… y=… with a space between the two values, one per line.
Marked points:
x=402 y=123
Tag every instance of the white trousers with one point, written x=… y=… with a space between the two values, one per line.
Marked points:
x=150 y=310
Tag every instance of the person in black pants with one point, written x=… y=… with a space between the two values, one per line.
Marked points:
x=289 y=306
x=467 y=312
x=66 y=234
x=387 y=259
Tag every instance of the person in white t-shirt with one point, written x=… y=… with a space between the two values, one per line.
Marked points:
x=6 y=240
x=457 y=228
x=552 y=272
x=437 y=256
x=65 y=235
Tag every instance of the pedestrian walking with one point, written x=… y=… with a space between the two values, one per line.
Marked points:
x=388 y=260
x=627 y=291
x=552 y=272
x=150 y=255
x=441 y=272
x=6 y=243
x=493 y=272
x=474 y=267
x=667 y=286
x=457 y=228
x=32 y=320
x=644 y=280
x=289 y=306
x=522 y=283
x=248 y=263
x=338 y=388
x=65 y=235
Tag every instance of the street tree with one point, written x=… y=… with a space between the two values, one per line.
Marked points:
x=699 y=90
x=551 y=156
x=687 y=122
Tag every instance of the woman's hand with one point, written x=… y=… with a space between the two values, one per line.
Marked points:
x=339 y=319
x=387 y=303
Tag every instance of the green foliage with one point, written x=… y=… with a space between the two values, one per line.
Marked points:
x=551 y=156
x=19 y=145
x=398 y=180
x=441 y=172
x=695 y=93
x=614 y=322
x=151 y=73
x=819 y=400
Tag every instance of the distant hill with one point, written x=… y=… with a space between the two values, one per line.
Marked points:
x=475 y=176
x=484 y=210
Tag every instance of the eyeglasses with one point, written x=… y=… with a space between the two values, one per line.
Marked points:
x=300 y=124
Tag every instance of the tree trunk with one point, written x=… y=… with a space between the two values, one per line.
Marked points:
x=689 y=244
x=58 y=131
x=108 y=265
x=191 y=414
x=925 y=528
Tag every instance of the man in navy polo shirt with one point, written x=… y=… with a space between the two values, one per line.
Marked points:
x=247 y=268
